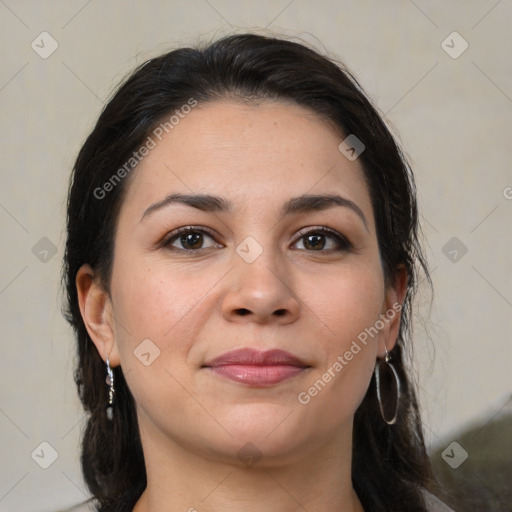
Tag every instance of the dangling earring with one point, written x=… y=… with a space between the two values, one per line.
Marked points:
x=387 y=361
x=110 y=384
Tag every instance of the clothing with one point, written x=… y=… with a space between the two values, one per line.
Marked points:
x=434 y=504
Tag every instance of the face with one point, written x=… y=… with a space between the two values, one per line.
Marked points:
x=238 y=301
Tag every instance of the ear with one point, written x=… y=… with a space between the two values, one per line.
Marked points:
x=96 y=309
x=392 y=311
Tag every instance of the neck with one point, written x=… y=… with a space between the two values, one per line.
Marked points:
x=180 y=479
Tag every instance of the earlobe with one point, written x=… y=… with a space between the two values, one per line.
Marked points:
x=96 y=310
x=392 y=314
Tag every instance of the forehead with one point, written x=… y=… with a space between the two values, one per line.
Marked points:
x=264 y=153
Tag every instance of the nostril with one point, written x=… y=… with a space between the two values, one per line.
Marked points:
x=280 y=312
x=243 y=311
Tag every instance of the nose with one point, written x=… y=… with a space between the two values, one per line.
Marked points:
x=258 y=292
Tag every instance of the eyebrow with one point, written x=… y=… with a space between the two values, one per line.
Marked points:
x=311 y=203
x=203 y=202
x=301 y=204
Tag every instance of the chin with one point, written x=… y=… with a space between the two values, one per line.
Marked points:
x=268 y=432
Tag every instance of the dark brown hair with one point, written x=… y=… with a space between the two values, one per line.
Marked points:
x=390 y=464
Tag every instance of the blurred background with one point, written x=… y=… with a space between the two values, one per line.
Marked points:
x=441 y=75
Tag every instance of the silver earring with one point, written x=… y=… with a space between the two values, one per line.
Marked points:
x=110 y=384
x=378 y=368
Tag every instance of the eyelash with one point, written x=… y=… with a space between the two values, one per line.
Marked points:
x=174 y=235
x=343 y=244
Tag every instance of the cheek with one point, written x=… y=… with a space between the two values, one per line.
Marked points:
x=348 y=306
x=149 y=300
x=162 y=304
x=346 y=302
x=158 y=318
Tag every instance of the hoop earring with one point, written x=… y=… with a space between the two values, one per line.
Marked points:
x=387 y=362
x=110 y=383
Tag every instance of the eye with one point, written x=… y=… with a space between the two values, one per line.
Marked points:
x=190 y=239
x=321 y=240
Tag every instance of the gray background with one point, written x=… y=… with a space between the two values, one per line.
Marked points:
x=453 y=117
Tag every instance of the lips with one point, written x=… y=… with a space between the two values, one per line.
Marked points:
x=256 y=368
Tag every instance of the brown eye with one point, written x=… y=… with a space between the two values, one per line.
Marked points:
x=189 y=239
x=314 y=242
x=322 y=240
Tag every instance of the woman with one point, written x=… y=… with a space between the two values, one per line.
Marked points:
x=241 y=258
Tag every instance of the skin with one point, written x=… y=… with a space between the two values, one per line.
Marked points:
x=194 y=305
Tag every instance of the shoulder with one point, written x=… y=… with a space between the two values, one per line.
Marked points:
x=434 y=504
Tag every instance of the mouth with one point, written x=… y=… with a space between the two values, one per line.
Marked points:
x=256 y=368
